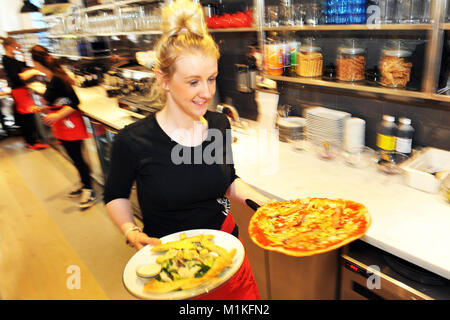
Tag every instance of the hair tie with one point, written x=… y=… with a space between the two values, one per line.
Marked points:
x=183 y=30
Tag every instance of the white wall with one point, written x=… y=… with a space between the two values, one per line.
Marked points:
x=9 y=15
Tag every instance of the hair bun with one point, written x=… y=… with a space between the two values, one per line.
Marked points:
x=183 y=16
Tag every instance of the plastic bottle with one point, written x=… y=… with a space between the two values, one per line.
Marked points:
x=274 y=55
x=286 y=56
x=405 y=134
x=386 y=134
x=293 y=56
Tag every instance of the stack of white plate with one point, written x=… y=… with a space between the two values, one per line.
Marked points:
x=290 y=127
x=323 y=124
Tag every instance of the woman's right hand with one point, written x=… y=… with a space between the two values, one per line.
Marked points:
x=139 y=239
x=30 y=73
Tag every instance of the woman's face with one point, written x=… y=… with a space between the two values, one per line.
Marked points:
x=192 y=85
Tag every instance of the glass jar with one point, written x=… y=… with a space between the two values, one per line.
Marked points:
x=395 y=67
x=350 y=64
x=309 y=61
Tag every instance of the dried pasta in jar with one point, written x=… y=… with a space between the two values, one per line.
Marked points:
x=350 y=64
x=395 y=68
x=309 y=62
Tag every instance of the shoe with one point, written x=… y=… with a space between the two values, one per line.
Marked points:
x=37 y=146
x=42 y=145
x=88 y=198
x=32 y=146
x=75 y=192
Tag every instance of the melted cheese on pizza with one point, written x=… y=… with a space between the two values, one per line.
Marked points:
x=308 y=224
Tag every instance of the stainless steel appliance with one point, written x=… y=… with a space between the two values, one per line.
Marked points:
x=368 y=273
x=243 y=78
x=138 y=104
x=128 y=79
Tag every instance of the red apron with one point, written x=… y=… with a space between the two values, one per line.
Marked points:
x=23 y=99
x=70 y=128
x=242 y=286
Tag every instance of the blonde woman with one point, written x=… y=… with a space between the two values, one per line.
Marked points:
x=180 y=156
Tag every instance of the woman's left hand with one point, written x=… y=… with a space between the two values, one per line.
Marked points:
x=51 y=119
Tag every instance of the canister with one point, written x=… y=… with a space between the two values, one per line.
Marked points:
x=309 y=61
x=395 y=67
x=350 y=63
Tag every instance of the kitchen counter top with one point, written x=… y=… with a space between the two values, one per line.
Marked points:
x=406 y=222
x=95 y=104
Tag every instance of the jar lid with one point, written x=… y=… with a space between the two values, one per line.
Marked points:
x=309 y=49
x=397 y=53
x=388 y=118
x=350 y=50
x=405 y=121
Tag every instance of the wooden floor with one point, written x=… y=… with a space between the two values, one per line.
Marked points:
x=47 y=245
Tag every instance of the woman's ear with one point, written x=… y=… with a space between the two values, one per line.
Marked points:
x=162 y=80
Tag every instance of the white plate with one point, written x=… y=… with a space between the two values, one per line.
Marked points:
x=135 y=284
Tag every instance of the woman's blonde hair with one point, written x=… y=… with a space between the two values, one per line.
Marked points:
x=183 y=31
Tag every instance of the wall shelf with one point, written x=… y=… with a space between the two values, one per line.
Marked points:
x=15 y=32
x=252 y=29
x=440 y=97
x=360 y=87
x=148 y=32
x=352 y=27
x=77 y=57
x=432 y=55
x=351 y=86
x=103 y=34
x=445 y=26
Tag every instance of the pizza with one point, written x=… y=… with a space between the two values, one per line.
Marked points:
x=188 y=263
x=309 y=226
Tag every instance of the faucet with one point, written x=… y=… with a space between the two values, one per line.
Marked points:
x=229 y=111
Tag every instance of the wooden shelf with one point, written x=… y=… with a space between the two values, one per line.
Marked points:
x=104 y=34
x=440 y=97
x=350 y=27
x=252 y=29
x=445 y=26
x=77 y=57
x=109 y=34
x=351 y=86
x=362 y=88
x=15 y=32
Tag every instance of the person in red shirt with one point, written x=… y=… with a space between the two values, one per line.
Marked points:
x=17 y=72
x=65 y=119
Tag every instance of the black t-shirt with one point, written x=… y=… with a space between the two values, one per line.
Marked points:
x=12 y=69
x=59 y=93
x=174 y=195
